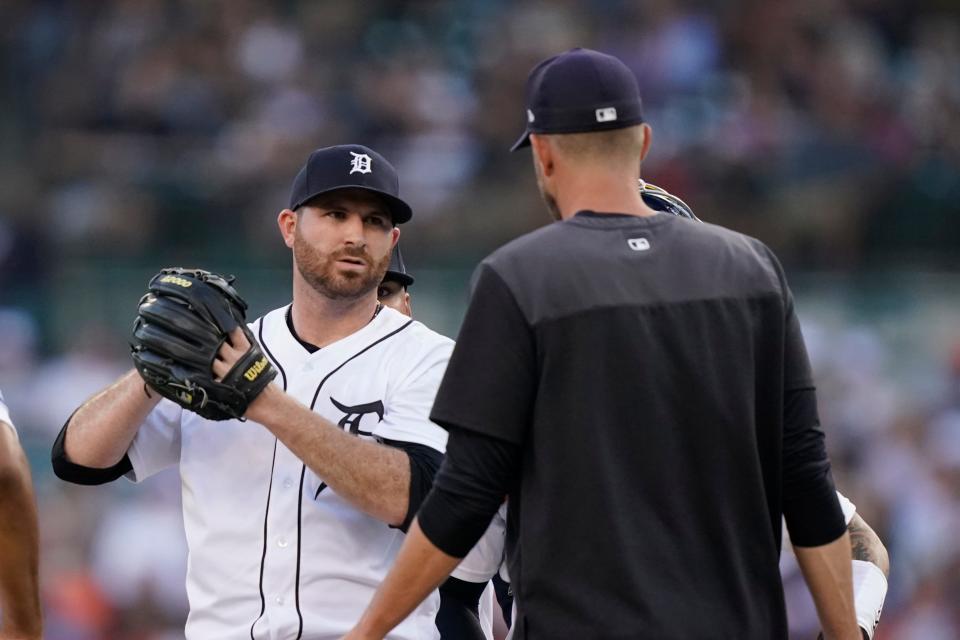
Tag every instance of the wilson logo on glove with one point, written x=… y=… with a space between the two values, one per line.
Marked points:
x=258 y=366
x=178 y=281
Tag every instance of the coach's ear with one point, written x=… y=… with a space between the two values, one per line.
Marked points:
x=542 y=154
x=647 y=138
x=287 y=221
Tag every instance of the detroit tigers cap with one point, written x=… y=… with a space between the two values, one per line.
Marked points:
x=397 y=271
x=580 y=90
x=349 y=166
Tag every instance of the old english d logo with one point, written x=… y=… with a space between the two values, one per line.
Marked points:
x=360 y=163
x=350 y=423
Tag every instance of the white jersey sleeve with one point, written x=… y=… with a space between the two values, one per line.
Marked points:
x=849 y=509
x=5 y=414
x=411 y=398
x=484 y=560
x=157 y=443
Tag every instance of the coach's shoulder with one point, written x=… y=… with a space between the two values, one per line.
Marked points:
x=716 y=233
x=707 y=237
x=527 y=248
x=518 y=260
x=749 y=257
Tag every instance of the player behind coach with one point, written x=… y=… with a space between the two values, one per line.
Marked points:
x=392 y=291
x=294 y=516
x=638 y=385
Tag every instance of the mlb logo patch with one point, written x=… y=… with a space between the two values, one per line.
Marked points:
x=606 y=114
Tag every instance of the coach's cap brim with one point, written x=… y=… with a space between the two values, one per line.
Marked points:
x=580 y=91
x=523 y=141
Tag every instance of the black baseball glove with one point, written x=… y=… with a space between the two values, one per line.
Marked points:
x=182 y=321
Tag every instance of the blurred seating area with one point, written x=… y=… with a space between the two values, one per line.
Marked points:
x=138 y=134
x=149 y=129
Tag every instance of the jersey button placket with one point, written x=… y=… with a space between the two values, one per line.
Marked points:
x=282 y=542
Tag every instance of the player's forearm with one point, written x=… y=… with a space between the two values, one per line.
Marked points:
x=19 y=591
x=865 y=544
x=372 y=477
x=102 y=429
x=826 y=569
x=420 y=568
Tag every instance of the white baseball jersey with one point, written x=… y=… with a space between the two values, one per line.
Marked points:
x=486 y=557
x=274 y=552
x=5 y=413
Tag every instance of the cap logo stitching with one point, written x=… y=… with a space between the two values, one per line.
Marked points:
x=638 y=244
x=360 y=163
x=606 y=114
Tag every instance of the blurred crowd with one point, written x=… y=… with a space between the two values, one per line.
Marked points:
x=890 y=405
x=142 y=133
x=132 y=128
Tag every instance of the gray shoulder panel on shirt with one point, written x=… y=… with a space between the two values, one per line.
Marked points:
x=600 y=260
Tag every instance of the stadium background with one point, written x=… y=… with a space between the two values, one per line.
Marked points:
x=138 y=134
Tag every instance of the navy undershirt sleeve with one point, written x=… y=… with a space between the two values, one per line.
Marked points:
x=424 y=463
x=477 y=474
x=810 y=505
x=69 y=471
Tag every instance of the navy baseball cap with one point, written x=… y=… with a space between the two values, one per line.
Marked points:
x=578 y=91
x=397 y=271
x=350 y=166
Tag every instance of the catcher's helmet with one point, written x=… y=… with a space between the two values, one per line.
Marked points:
x=661 y=200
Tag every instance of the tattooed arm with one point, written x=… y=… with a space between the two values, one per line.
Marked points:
x=871 y=567
x=869 y=588
x=865 y=544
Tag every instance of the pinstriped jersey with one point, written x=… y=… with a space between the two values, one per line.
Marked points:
x=274 y=552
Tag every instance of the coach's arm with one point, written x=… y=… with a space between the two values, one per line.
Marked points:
x=871 y=568
x=866 y=545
